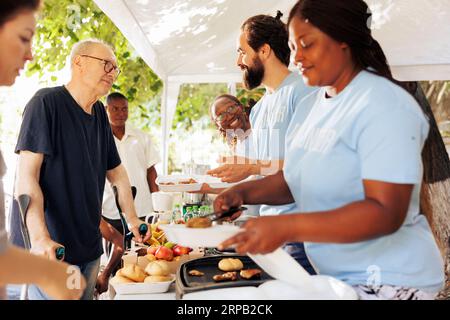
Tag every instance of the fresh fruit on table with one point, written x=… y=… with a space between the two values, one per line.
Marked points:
x=170 y=245
x=164 y=253
x=180 y=250
x=158 y=236
x=154 y=227
x=152 y=249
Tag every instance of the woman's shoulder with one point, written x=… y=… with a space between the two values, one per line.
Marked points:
x=383 y=95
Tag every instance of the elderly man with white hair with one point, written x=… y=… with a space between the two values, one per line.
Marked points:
x=66 y=150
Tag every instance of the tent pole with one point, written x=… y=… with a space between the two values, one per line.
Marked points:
x=164 y=135
x=168 y=107
x=232 y=88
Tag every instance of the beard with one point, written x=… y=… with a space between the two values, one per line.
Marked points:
x=254 y=75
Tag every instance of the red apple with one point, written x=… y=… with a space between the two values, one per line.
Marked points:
x=152 y=250
x=164 y=253
x=180 y=250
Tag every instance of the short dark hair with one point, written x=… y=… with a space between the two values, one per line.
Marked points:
x=223 y=96
x=229 y=97
x=115 y=96
x=9 y=8
x=262 y=29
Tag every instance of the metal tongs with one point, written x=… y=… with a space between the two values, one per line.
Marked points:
x=219 y=216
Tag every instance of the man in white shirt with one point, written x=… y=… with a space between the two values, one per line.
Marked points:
x=138 y=155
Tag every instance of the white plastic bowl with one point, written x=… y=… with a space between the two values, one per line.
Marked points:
x=142 y=288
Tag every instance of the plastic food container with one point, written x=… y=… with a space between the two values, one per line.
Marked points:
x=142 y=288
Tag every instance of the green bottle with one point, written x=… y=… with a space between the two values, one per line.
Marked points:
x=195 y=211
x=188 y=214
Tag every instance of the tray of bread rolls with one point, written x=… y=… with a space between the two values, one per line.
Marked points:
x=132 y=279
x=215 y=272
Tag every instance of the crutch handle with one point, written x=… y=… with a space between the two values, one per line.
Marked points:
x=60 y=252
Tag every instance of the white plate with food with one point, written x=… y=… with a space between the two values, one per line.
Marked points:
x=199 y=237
x=189 y=183
x=178 y=183
x=142 y=287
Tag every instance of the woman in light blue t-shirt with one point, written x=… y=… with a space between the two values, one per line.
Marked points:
x=353 y=166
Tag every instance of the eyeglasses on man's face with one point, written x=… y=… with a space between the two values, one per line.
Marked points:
x=108 y=65
x=231 y=110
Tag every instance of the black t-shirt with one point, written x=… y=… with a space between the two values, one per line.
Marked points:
x=78 y=150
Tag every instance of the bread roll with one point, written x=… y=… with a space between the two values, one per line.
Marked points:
x=199 y=222
x=119 y=273
x=151 y=257
x=230 y=264
x=158 y=278
x=158 y=268
x=133 y=272
x=117 y=279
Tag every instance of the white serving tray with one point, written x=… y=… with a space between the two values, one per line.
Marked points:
x=142 y=288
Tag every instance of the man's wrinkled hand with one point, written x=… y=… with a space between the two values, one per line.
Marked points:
x=45 y=247
x=134 y=225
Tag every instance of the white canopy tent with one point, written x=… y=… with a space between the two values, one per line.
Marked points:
x=194 y=41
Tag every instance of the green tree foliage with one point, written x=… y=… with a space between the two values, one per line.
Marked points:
x=62 y=23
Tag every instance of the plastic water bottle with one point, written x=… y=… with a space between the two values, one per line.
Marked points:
x=195 y=211
x=176 y=214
